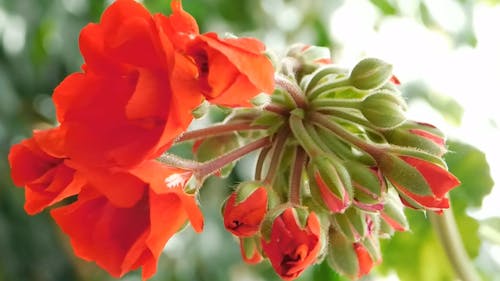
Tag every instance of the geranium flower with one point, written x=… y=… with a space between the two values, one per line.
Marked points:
x=135 y=94
x=231 y=71
x=122 y=219
x=292 y=248
x=39 y=165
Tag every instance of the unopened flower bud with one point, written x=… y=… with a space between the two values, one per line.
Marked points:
x=393 y=213
x=420 y=183
x=245 y=209
x=368 y=185
x=370 y=73
x=348 y=258
x=330 y=183
x=250 y=250
x=212 y=147
x=308 y=54
x=423 y=136
x=384 y=109
x=352 y=224
x=292 y=247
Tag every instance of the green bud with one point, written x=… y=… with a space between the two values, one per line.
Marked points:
x=352 y=224
x=309 y=54
x=370 y=73
x=384 y=109
x=418 y=135
x=403 y=174
x=393 y=213
x=341 y=255
x=368 y=184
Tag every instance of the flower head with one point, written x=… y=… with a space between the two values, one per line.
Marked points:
x=292 y=248
x=122 y=220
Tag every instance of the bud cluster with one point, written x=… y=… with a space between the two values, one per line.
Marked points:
x=342 y=163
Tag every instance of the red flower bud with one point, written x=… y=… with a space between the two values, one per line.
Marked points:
x=37 y=165
x=243 y=217
x=330 y=184
x=292 y=248
x=439 y=180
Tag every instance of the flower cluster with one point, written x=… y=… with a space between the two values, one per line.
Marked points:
x=338 y=159
x=142 y=77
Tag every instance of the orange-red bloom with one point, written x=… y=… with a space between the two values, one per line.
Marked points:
x=291 y=248
x=439 y=180
x=122 y=220
x=135 y=95
x=39 y=165
x=243 y=219
x=230 y=70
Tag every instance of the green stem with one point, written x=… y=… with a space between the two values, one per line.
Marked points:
x=348 y=116
x=321 y=103
x=323 y=121
x=296 y=177
x=323 y=72
x=292 y=89
x=173 y=160
x=259 y=166
x=278 y=149
x=318 y=90
x=217 y=130
x=303 y=137
x=277 y=109
x=207 y=168
x=447 y=231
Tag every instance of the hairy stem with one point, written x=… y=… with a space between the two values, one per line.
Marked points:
x=259 y=166
x=278 y=148
x=447 y=231
x=323 y=121
x=207 y=168
x=296 y=177
x=217 y=130
x=293 y=89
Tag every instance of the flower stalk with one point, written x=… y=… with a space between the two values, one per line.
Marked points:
x=446 y=229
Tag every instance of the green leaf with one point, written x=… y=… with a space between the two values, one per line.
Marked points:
x=470 y=166
x=385 y=7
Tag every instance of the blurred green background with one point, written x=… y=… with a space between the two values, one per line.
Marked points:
x=445 y=52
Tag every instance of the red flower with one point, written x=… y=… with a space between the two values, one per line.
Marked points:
x=439 y=180
x=122 y=220
x=135 y=95
x=291 y=249
x=231 y=71
x=39 y=165
x=243 y=219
